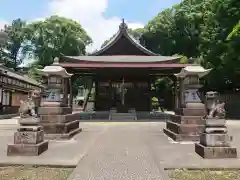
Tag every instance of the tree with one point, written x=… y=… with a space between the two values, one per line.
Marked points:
x=33 y=71
x=52 y=37
x=218 y=24
x=55 y=35
x=199 y=29
x=16 y=46
x=157 y=35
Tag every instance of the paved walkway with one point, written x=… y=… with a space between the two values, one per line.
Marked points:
x=127 y=150
x=123 y=151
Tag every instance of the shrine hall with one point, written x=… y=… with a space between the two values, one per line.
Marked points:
x=122 y=72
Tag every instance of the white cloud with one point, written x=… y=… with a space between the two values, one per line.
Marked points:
x=89 y=13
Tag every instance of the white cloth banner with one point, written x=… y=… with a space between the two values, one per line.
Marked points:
x=192 y=95
x=54 y=95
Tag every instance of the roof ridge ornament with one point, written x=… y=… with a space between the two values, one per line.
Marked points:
x=123 y=25
x=56 y=62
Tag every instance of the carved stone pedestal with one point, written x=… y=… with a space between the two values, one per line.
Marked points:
x=186 y=125
x=215 y=142
x=59 y=122
x=28 y=141
x=215 y=152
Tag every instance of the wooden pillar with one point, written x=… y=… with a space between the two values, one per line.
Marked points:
x=65 y=91
x=151 y=78
x=181 y=92
x=70 y=100
x=175 y=93
x=96 y=99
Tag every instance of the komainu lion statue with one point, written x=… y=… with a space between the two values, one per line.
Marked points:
x=217 y=110
x=28 y=108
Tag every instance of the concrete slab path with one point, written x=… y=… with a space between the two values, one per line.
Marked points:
x=121 y=150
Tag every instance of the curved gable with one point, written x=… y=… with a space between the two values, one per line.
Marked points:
x=123 y=44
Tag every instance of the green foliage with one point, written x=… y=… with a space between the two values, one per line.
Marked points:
x=56 y=35
x=155 y=102
x=33 y=71
x=16 y=48
x=52 y=37
x=202 y=30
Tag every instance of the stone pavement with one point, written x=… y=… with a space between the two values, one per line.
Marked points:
x=121 y=150
x=60 y=153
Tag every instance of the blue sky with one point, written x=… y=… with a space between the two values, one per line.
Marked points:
x=95 y=16
x=133 y=10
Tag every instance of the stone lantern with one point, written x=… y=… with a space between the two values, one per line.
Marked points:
x=189 y=76
x=187 y=123
x=57 y=82
x=56 y=115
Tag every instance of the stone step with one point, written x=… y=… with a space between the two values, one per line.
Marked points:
x=122 y=116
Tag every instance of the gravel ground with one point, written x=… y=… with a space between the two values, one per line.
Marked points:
x=31 y=173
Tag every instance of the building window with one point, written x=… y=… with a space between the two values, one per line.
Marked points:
x=4 y=79
x=6 y=98
x=9 y=81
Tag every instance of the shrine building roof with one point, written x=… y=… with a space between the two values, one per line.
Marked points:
x=121 y=51
x=121 y=59
x=123 y=43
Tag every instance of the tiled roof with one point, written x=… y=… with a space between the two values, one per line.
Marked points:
x=123 y=59
x=123 y=31
x=25 y=78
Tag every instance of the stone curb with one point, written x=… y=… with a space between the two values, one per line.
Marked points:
x=53 y=165
x=204 y=168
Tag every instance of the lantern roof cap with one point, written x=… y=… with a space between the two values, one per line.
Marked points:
x=193 y=69
x=55 y=69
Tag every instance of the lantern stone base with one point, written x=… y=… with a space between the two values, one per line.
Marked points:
x=62 y=136
x=28 y=141
x=61 y=130
x=215 y=152
x=54 y=110
x=58 y=123
x=180 y=137
x=186 y=125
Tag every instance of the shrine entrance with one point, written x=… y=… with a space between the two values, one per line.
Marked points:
x=123 y=93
